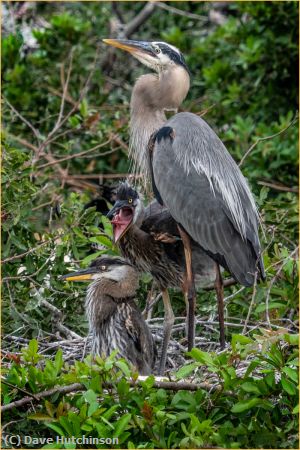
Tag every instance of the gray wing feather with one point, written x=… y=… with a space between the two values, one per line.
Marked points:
x=197 y=147
x=207 y=194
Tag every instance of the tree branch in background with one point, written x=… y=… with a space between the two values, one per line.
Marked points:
x=180 y=12
x=278 y=272
x=33 y=129
x=266 y=138
x=139 y=19
x=278 y=187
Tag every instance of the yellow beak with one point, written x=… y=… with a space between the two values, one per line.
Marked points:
x=130 y=46
x=75 y=277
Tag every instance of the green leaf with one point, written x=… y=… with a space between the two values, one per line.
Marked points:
x=202 y=357
x=184 y=400
x=88 y=259
x=292 y=339
x=40 y=416
x=122 y=424
x=90 y=396
x=291 y=373
x=245 y=405
x=239 y=339
x=56 y=428
x=288 y=386
x=185 y=371
x=250 y=387
x=149 y=382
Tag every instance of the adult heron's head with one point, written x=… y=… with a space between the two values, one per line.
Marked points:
x=105 y=267
x=127 y=210
x=159 y=56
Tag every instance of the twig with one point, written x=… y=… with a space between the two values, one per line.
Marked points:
x=57 y=312
x=266 y=138
x=69 y=333
x=226 y=283
x=31 y=250
x=65 y=90
x=279 y=187
x=105 y=175
x=24 y=277
x=251 y=303
x=273 y=281
x=18 y=388
x=68 y=115
x=34 y=130
x=77 y=155
x=58 y=324
x=12 y=303
x=139 y=19
x=181 y=13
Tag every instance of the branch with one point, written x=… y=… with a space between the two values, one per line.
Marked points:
x=77 y=155
x=75 y=387
x=266 y=138
x=13 y=258
x=59 y=315
x=181 y=13
x=273 y=281
x=279 y=187
x=139 y=19
x=34 y=130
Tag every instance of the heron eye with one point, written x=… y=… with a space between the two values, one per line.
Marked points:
x=130 y=200
x=157 y=49
x=103 y=267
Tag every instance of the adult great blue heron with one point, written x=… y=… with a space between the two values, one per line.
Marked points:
x=192 y=173
x=115 y=321
x=149 y=239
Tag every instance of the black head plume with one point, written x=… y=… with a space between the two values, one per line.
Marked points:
x=108 y=261
x=125 y=191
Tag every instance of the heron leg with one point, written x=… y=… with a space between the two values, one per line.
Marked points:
x=190 y=287
x=220 y=296
x=168 y=325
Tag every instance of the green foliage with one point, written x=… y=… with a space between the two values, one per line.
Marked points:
x=252 y=402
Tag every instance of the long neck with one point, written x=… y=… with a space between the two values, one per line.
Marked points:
x=151 y=96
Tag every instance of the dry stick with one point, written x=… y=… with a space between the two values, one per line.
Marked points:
x=139 y=19
x=266 y=138
x=279 y=187
x=68 y=115
x=12 y=303
x=58 y=324
x=13 y=258
x=105 y=175
x=182 y=13
x=251 y=304
x=18 y=388
x=65 y=91
x=34 y=130
x=31 y=275
x=75 y=387
x=273 y=281
x=77 y=155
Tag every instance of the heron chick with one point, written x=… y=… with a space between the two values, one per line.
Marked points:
x=149 y=239
x=115 y=321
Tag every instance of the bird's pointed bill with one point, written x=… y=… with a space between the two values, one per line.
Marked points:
x=82 y=275
x=133 y=47
x=121 y=222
